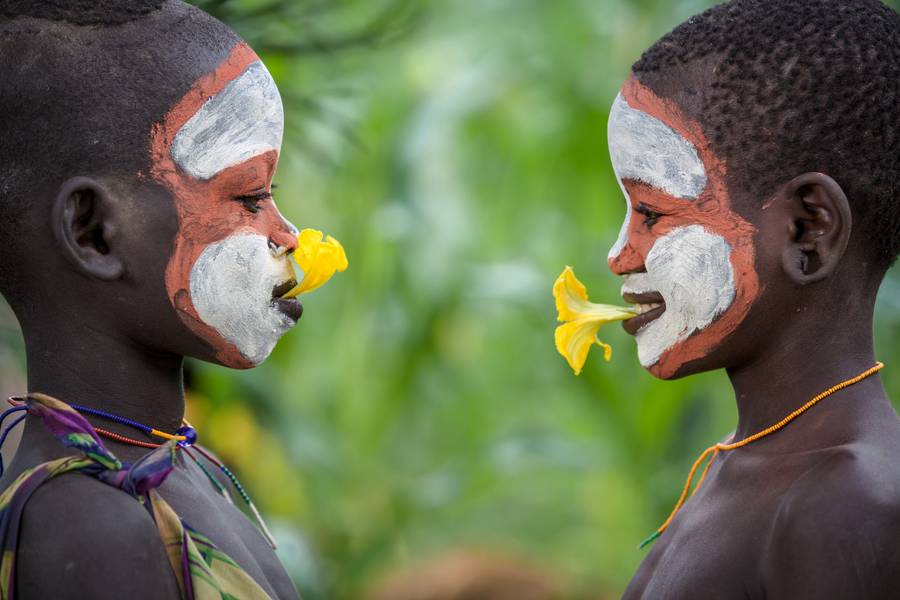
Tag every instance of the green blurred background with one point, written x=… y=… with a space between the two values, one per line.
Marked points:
x=458 y=150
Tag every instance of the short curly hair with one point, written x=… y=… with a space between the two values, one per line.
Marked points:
x=80 y=12
x=83 y=82
x=800 y=86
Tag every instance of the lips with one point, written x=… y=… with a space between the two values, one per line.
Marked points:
x=650 y=306
x=289 y=306
x=283 y=288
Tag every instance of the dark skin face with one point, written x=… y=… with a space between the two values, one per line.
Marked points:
x=813 y=510
x=102 y=331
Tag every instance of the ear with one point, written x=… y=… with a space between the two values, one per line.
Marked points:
x=84 y=227
x=819 y=227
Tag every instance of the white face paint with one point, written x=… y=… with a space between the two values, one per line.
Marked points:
x=623 y=231
x=691 y=269
x=243 y=120
x=643 y=148
x=231 y=287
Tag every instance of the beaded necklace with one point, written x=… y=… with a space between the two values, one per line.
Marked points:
x=720 y=447
x=185 y=438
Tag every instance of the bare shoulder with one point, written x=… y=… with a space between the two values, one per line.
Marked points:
x=81 y=538
x=834 y=533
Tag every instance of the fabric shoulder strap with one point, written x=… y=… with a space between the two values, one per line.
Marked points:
x=202 y=570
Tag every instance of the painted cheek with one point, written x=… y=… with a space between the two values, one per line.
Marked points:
x=231 y=287
x=691 y=268
x=209 y=213
x=745 y=285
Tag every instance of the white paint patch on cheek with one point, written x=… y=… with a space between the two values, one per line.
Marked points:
x=231 y=287
x=243 y=120
x=643 y=148
x=691 y=268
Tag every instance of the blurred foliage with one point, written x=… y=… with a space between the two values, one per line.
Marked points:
x=458 y=150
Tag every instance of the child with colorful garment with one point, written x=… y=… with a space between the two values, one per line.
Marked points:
x=139 y=143
x=758 y=149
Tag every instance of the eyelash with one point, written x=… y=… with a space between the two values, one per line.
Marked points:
x=251 y=201
x=652 y=215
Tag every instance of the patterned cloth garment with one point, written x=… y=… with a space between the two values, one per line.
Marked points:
x=203 y=572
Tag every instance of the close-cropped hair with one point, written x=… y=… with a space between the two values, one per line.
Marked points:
x=80 y=12
x=83 y=83
x=801 y=86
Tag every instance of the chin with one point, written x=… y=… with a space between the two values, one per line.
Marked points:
x=670 y=374
x=671 y=364
x=248 y=353
x=242 y=355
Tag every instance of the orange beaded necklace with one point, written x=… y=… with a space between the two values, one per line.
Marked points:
x=720 y=447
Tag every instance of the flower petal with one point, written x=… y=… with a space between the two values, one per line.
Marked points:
x=582 y=320
x=572 y=301
x=574 y=341
x=318 y=259
x=570 y=294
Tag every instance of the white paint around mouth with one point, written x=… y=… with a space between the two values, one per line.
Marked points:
x=231 y=287
x=638 y=283
x=242 y=121
x=691 y=268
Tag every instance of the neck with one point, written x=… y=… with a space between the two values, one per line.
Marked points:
x=98 y=370
x=800 y=363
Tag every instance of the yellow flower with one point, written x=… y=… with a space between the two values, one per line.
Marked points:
x=318 y=259
x=582 y=320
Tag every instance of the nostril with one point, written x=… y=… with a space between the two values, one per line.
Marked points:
x=284 y=237
x=276 y=249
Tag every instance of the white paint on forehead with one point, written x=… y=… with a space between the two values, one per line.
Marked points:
x=243 y=120
x=645 y=149
x=231 y=287
x=691 y=268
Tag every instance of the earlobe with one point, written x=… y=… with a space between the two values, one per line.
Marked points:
x=819 y=227
x=84 y=228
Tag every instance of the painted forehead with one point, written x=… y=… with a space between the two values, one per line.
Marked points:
x=643 y=148
x=243 y=120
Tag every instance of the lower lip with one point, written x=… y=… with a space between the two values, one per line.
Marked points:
x=634 y=324
x=291 y=307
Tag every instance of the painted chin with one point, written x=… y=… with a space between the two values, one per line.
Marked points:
x=689 y=273
x=234 y=287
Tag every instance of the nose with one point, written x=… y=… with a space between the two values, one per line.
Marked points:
x=283 y=239
x=628 y=260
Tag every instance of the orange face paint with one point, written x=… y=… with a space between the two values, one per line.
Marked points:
x=708 y=215
x=210 y=210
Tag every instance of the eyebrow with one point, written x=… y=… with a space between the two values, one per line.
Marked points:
x=643 y=148
x=243 y=120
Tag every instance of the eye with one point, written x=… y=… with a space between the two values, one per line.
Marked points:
x=251 y=202
x=651 y=215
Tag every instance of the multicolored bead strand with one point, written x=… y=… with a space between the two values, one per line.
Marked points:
x=186 y=437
